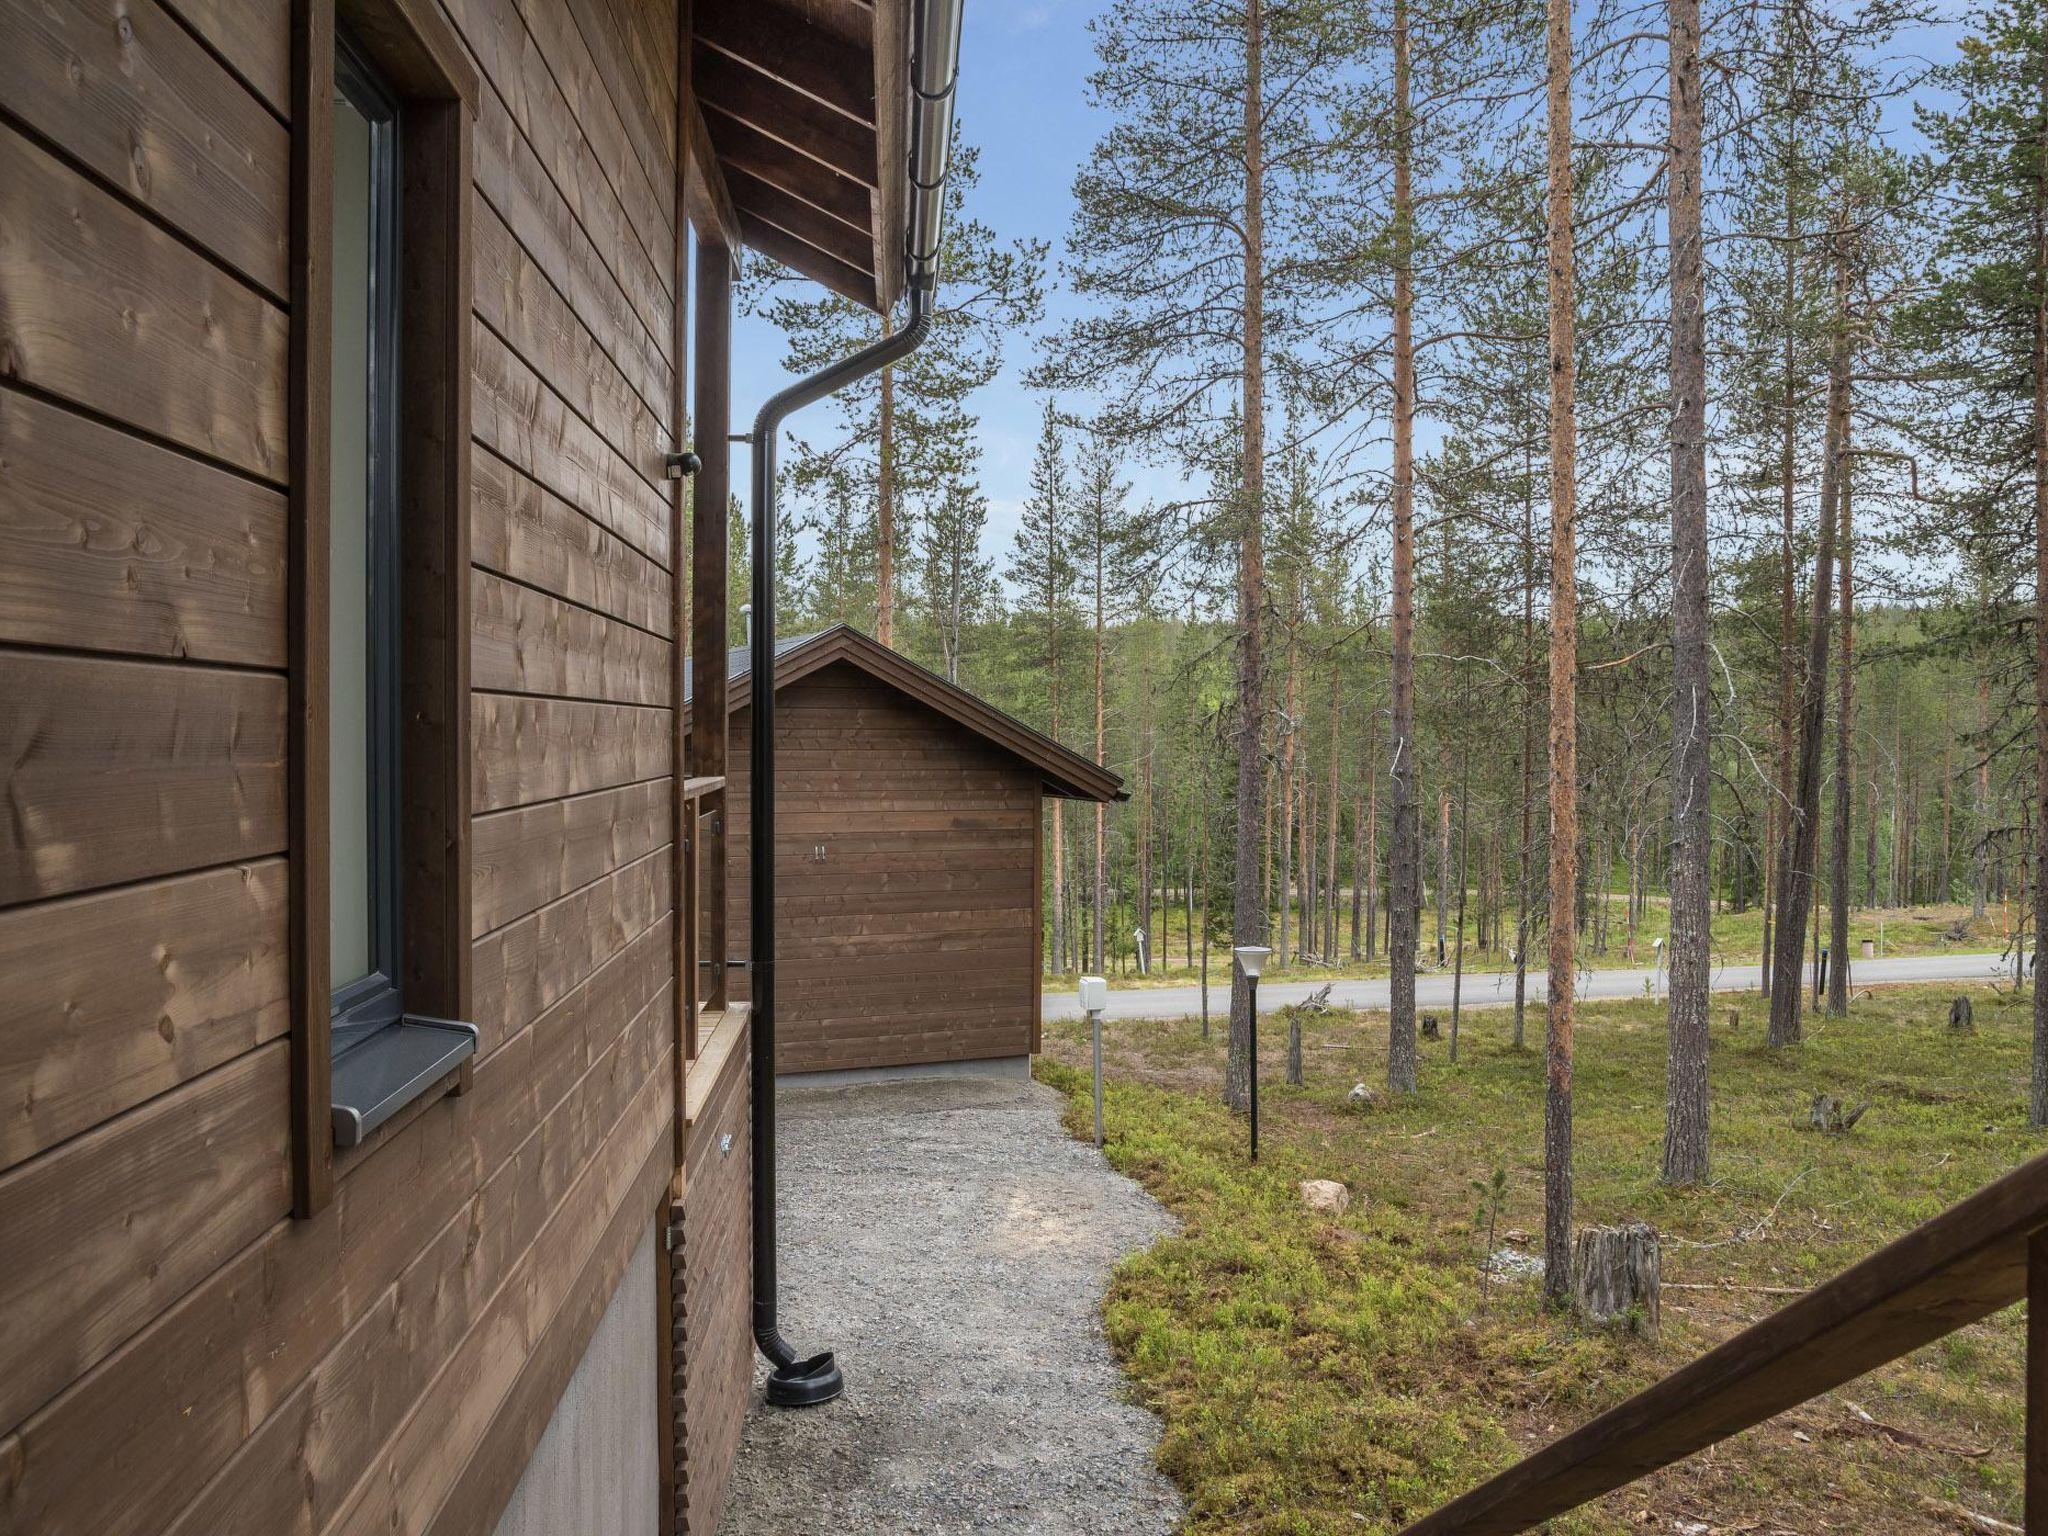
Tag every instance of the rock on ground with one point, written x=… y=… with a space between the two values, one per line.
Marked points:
x=951 y=1242
x=1325 y=1195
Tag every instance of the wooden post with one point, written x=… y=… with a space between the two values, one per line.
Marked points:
x=709 y=725
x=2035 y=1472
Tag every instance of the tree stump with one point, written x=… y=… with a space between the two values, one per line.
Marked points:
x=1734 y=1019
x=1828 y=1114
x=1431 y=1029
x=1961 y=1019
x=1293 y=1049
x=1617 y=1275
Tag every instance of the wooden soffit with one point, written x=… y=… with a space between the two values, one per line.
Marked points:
x=804 y=104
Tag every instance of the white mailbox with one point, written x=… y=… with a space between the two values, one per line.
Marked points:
x=1094 y=994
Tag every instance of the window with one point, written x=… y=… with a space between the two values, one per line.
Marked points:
x=363 y=718
x=379 y=619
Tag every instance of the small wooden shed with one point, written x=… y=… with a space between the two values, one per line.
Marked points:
x=908 y=876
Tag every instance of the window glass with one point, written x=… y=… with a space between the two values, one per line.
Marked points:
x=351 y=662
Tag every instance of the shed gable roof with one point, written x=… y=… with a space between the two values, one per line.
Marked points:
x=1066 y=772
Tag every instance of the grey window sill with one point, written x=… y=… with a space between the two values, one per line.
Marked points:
x=386 y=1070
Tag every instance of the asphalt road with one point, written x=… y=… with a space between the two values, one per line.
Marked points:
x=1496 y=989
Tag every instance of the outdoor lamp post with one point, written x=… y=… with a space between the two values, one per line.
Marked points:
x=1251 y=959
x=1094 y=998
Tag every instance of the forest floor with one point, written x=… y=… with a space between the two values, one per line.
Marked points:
x=1319 y=1375
x=1738 y=939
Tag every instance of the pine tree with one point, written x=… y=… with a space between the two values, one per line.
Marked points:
x=902 y=433
x=1042 y=572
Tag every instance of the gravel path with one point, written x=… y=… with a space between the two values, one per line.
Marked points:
x=951 y=1242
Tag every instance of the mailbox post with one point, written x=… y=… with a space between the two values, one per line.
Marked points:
x=1094 y=998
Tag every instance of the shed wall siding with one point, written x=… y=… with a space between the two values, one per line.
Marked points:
x=390 y=1364
x=915 y=937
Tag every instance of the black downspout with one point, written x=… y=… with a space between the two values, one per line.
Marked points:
x=794 y=1382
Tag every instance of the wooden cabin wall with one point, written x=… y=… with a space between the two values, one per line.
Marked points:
x=915 y=938
x=178 y=1353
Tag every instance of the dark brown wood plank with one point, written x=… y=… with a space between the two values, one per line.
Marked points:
x=709 y=611
x=729 y=89
x=799 y=219
x=526 y=858
x=125 y=89
x=114 y=998
x=100 y=306
x=435 y=496
x=518 y=302
x=120 y=770
x=852 y=283
x=517 y=70
x=193 y=1386
x=464 y=1411
x=830 y=66
x=306 y=613
x=647 y=200
x=1968 y=1262
x=521 y=529
x=299 y=1466
x=527 y=642
x=114 y=1226
x=485 y=1483
x=742 y=147
x=543 y=749
x=108 y=542
x=528 y=967
x=523 y=421
x=510 y=177
x=253 y=37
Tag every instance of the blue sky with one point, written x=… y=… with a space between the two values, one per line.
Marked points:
x=1023 y=72
x=1023 y=104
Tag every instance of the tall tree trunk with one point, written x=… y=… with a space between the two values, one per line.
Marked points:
x=2038 y=1102
x=1980 y=859
x=885 y=492
x=1288 y=811
x=1101 y=825
x=1404 y=897
x=1249 y=910
x=1685 y=1092
x=1564 y=663
x=1845 y=712
x=1464 y=856
x=1332 y=818
x=1372 y=839
x=1797 y=867
x=1528 y=753
x=1788 y=630
x=1443 y=855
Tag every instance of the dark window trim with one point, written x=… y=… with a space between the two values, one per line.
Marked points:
x=376 y=1000
x=434 y=89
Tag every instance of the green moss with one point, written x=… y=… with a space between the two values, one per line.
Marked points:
x=1349 y=1375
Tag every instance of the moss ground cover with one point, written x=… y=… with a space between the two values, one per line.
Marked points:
x=1319 y=1375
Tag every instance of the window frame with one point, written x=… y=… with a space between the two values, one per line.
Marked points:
x=413 y=47
x=363 y=1006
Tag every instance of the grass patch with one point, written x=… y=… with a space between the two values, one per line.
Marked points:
x=1349 y=1375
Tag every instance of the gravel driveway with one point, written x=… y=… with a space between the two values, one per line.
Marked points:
x=951 y=1242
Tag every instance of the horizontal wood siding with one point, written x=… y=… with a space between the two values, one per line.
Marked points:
x=915 y=937
x=711 y=1306
x=180 y=1354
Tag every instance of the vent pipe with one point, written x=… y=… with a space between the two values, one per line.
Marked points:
x=799 y=1381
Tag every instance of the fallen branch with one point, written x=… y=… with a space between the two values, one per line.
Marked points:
x=1725 y=1285
x=1907 y=1437
x=1970 y=1519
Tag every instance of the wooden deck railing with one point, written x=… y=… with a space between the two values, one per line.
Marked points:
x=1977 y=1257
